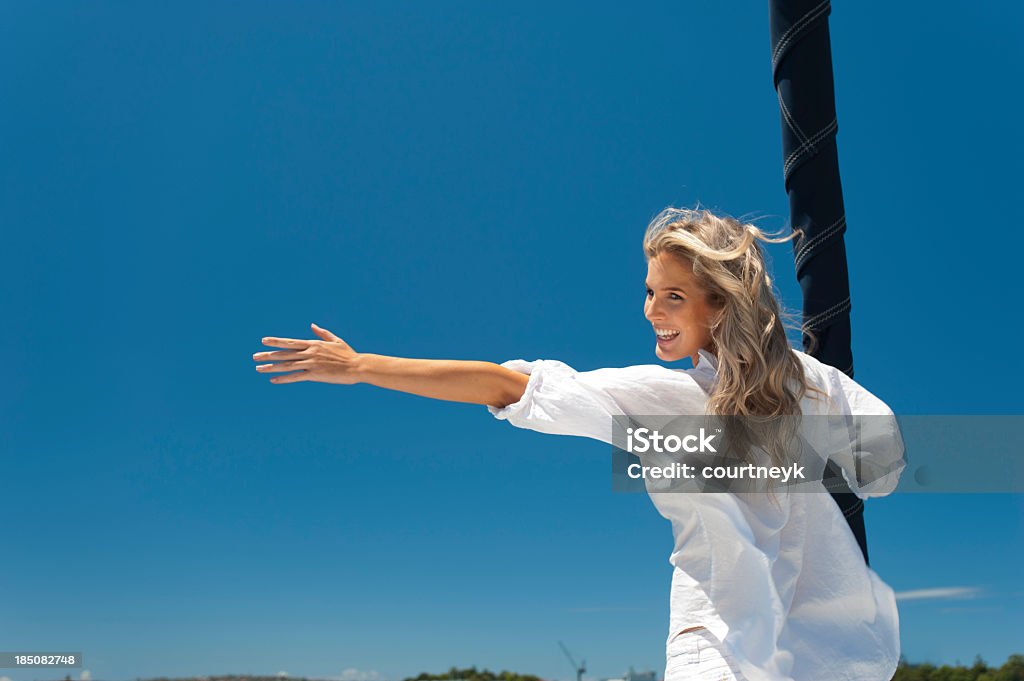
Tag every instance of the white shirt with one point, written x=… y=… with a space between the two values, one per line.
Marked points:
x=785 y=589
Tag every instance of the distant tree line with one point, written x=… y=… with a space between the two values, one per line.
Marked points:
x=472 y=674
x=1012 y=670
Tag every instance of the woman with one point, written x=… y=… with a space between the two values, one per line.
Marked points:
x=765 y=587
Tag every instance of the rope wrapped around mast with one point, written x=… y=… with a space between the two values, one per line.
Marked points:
x=801 y=56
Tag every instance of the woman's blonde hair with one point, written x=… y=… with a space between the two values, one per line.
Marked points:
x=759 y=377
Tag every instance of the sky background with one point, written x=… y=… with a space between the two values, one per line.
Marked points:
x=448 y=180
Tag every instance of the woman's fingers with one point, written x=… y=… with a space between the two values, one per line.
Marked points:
x=282 y=366
x=279 y=355
x=292 y=378
x=288 y=342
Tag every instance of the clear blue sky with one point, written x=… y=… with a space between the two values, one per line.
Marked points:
x=447 y=180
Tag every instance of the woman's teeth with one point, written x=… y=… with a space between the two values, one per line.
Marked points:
x=665 y=338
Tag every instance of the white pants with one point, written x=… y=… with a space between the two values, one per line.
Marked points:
x=698 y=656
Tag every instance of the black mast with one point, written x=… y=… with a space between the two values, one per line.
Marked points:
x=802 y=75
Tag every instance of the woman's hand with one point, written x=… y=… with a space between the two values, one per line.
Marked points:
x=329 y=360
x=332 y=360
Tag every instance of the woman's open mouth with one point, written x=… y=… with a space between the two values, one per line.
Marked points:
x=666 y=338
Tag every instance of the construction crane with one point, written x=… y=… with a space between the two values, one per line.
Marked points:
x=580 y=668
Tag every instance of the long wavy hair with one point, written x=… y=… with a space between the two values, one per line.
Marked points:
x=760 y=379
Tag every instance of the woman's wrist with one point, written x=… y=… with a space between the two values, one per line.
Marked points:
x=363 y=366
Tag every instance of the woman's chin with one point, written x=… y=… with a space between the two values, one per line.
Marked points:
x=667 y=354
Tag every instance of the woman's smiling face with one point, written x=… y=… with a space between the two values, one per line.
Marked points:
x=677 y=303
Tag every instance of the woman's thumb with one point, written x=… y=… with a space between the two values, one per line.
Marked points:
x=324 y=333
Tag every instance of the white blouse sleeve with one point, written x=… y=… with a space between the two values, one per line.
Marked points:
x=867 y=443
x=562 y=401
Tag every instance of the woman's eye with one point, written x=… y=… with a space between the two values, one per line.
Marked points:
x=648 y=292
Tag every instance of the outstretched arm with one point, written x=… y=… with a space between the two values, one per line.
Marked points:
x=560 y=400
x=866 y=440
x=476 y=382
x=332 y=360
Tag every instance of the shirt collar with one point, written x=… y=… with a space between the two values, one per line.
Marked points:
x=707 y=360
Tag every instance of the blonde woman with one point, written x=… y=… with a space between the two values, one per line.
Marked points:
x=765 y=587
